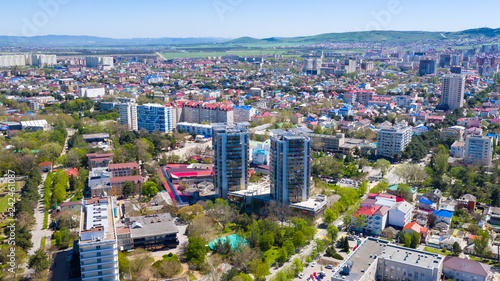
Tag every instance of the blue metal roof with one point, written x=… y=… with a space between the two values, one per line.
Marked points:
x=425 y=201
x=442 y=213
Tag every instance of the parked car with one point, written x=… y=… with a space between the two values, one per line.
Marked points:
x=313 y=264
x=300 y=275
x=329 y=266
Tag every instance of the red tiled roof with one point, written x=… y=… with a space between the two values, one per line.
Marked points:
x=136 y=179
x=47 y=163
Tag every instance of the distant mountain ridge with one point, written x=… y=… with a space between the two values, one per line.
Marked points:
x=372 y=36
x=361 y=36
x=94 y=41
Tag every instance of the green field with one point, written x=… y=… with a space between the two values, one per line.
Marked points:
x=204 y=54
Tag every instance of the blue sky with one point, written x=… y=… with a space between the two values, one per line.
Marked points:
x=236 y=18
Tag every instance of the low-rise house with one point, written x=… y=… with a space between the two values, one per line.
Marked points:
x=426 y=204
x=460 y=269
x=443 y=216
x=467 y=201
x=415 y=227
x=408 y=195
x=45 y=166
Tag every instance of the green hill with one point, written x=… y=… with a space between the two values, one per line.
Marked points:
x=370 y=36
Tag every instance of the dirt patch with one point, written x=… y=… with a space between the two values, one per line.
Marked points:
x=326 y=261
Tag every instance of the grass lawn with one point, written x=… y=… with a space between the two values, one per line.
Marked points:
x=4 y=203
x=271 y=255
x=485 y=261
x=45 y=219
x=42 y=244
x=437 y=251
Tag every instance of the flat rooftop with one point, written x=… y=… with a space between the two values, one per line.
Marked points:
x=371 y=249
x=365 y=255
x=153 y=225
x=312 y=204
x=97 y=221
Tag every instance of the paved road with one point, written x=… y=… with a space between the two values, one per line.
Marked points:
x=38 y=232
x=183 y=239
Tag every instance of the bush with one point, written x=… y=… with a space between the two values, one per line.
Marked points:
x=337 y=256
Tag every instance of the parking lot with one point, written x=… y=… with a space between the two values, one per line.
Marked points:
x=308 y=270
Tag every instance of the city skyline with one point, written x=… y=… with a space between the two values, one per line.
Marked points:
x=236 y=18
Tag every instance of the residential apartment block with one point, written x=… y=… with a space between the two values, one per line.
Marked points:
x=128 y=115
x=231 y=157
x=290 y=166
x=97 y=245
x=478 y=150
x=392 y=141
x=155 y=118
x=453 y=91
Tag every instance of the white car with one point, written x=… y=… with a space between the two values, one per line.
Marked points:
x=329 y=266
x=301 y=275
x=313 y=264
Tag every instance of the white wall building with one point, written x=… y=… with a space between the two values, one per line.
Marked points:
x=91 y=93
x=198 y=129
x=243 y=113
x=98 y=247
x=457 y=149
x=392 y=141
x=400 y=214
x=453 y=91
x=128 y=115
x=478 y=150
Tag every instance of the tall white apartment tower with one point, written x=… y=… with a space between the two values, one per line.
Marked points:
x=231 y=157
x=478 y=150
x=128 y=115
x=453 y=91
x=290 y=167
x=98 y=247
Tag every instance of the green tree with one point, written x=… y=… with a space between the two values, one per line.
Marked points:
x=481 y=243
x=414 y=240
x=297 y=266
x=149 y=189
x=407 y=240
x=456 y=249
x=196 y=251
x=282 y=255
x=329 y=216
x=259 y=269
x=358 y=222
x=333 y=232
x=128 y=188
x=266 y=241
x=382 y=165
x=299 y=239
x=288 y=245
x=39 y=260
